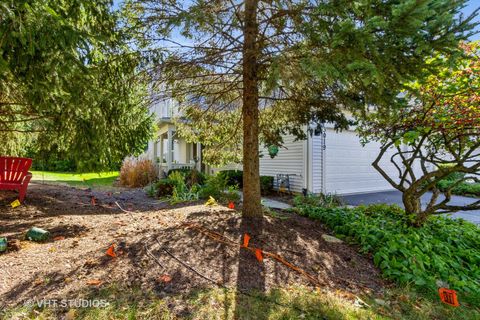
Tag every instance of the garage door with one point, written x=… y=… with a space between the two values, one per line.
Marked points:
x=348 y=166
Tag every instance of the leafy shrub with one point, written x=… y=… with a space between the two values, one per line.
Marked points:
x=320 y=200
x=164 y=188
x=194 y=177
x=191 y=176
x=233 y=177
x=463 y=188
x=185 y=171
x=231 y=194
x=137 y=172
x=454 y=176
x=443 y=249
x=181 y=192
x=215 y=186
x=266 y=185
x=467 y=189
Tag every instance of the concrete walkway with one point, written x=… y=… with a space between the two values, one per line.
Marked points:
x=270 y=203
x=274 y=204
x=395 y=197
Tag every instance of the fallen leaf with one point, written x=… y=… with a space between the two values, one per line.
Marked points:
x=58 y=238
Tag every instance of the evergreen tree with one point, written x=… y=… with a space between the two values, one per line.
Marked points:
x=67 y=82
x=273 y=67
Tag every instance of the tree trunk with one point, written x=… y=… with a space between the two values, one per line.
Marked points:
x=413 y=205
x=252 y=206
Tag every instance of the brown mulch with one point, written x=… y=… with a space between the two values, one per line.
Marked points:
x=76 y=262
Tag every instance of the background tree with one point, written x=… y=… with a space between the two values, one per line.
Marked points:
x=285 y=64
x=435 y=127
x=67 y=82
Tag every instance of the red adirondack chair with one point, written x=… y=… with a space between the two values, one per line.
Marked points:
x=14 y=174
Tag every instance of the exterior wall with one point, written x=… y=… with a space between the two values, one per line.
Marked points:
x=288 y=161
x=349 y=165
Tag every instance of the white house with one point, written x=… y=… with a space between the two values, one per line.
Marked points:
x=328 y=162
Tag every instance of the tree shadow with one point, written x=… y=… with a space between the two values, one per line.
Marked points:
x=297 y=239
x=251 y=271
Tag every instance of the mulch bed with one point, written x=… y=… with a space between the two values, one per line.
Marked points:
x=63 y=268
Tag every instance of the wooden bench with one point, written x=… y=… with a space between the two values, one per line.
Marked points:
x=14 y=175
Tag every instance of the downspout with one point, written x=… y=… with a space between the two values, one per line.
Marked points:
x=323 y=159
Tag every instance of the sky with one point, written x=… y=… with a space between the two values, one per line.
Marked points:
x=470 y=7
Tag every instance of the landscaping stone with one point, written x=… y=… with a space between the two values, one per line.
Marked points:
x=331 y=239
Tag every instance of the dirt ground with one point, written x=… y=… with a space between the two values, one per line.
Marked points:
x=75 y=262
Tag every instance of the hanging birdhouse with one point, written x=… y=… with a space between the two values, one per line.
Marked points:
x=272 y=151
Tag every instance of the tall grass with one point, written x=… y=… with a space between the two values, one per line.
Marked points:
x=137 y=172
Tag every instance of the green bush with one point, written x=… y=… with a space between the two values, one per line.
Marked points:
x=215 y=186
x=191 y=176
x=443 y=249
x=164 y=188
x=266 y=185
x=455 y=176
x=181 y=191
x=320 y=200
x=233 y=177
x=463 y=188
x=231 y=194
x=184 y=171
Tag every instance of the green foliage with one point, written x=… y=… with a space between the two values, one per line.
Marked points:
x=68 y=83
x=310 y=58
x=182 y=192
x=320 y=200
x=231 y=194
x=164 y=188
x=215 y=186
x=234 y=177
x=463 y=188
x=442 y=249
x=266 y=185
x=434 y=125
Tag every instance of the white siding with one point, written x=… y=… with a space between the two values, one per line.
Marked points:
x=288 y=161
x=349 y=165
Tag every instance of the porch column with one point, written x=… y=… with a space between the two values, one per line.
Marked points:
x=169 y=148
x=199 y=156
x=160 y=158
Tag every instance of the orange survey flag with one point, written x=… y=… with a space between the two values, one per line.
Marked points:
x=258 y=254
x=448 y=296
x=246 y=239
x=111 y=251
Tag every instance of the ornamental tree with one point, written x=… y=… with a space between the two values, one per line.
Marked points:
x=434 y=131
x=67 y=82
x=249 y=71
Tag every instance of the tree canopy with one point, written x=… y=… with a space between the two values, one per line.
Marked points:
x=265 y=68
x=434 y=127
x=67 y=82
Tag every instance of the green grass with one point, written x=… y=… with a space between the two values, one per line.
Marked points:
x=287 y=303
x=91 y=180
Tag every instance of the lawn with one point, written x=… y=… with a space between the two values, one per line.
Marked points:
x=91 y=179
